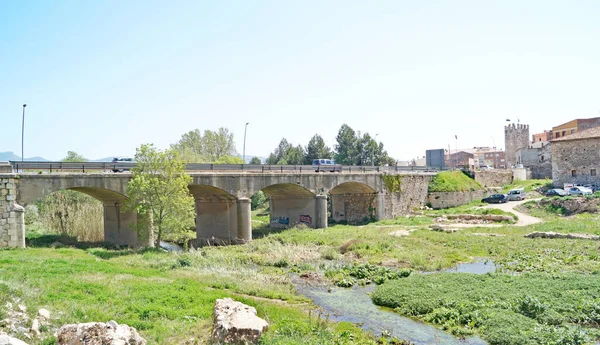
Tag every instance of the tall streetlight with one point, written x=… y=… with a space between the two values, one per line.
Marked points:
x=23 y=134
x=456 y=146
x=373 y=152
x=245 y=129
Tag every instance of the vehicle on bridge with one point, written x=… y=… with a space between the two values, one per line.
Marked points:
x=326 y=165
x=122 y=160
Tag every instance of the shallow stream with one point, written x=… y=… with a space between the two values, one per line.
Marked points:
x=354 y=305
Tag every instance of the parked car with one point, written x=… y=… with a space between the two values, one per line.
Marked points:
x=556 y=192
x=580 y=190
x=593 y=187
x=516 y=194
x=122 y=160
x=495 y=199
x=326 y=165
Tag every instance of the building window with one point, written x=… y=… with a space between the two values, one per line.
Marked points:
x=563 y=133
x=593 y=172
x=572 y=131
x=573 y=173
x=557 y=134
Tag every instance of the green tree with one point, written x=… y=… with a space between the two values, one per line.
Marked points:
x=73 y=156
x=218 y=143
x=316 y=149
x=158 y=193
x=229 y=160
x=345 y=149
x=286 y=153
x=255 y=161
x=258 y=200
x=207 y=147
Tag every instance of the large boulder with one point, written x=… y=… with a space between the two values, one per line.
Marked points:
x=236 y=323
x=7 y=340
x=98 y=333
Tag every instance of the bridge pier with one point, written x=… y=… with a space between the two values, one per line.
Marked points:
x=217 y=221
x=117 y=225
x=291 y=211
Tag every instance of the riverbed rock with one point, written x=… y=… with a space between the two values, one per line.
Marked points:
x=437 y=227
x=35 y=327
x=5 y=339
x=236 y=323
x=44 y=314
x=551 y=234
x=98 y=333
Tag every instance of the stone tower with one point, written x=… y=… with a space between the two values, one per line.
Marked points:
x=516 y=136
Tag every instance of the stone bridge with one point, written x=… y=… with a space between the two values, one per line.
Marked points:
x=223 y=200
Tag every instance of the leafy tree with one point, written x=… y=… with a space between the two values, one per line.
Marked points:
x=255 y=161
x=345 y=149
x=158 y=193
x=218 y=143
x=207 y=147
x=316 y=149
x=73 y=156
x=229 y=160
x=258 y=199
x=286 y=153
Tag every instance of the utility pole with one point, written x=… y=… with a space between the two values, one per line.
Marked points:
x=456 y=145
x=23 y=135
x=244 y=154
x=373 y=151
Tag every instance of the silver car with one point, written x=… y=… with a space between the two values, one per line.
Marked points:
x=580 y=191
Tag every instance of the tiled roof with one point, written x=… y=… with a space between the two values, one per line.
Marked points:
x=586 y=134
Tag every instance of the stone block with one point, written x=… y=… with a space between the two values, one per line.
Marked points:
x=3 y=191
x=10 y=185
x=10 y=197
x=12 y=221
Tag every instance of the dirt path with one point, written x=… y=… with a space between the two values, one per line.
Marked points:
x=524 y=219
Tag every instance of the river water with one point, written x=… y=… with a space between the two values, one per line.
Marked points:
x=354 y=305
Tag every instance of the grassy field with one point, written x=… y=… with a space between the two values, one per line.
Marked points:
x=549 y=287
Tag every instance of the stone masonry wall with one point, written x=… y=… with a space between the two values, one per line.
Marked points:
x=439 y=200
x=408 y=194
x=576 y=161
x=494 y=178
x=12 y=220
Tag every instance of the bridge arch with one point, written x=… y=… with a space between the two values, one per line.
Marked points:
x=353 y=203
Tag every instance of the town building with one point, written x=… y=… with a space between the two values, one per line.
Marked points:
x=576 y=158
x=574 y=126
x=460 y=160
x=541 y=137
x=537 y=159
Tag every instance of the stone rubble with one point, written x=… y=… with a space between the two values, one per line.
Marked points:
x=236 y=323
x=98 y=333
x=5 y=339
x=551 y=234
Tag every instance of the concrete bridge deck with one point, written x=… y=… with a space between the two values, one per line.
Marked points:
x=223 y=198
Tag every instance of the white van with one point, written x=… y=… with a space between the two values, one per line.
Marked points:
x=516 y=194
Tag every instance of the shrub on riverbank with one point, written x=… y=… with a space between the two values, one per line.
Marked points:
x=503 y=309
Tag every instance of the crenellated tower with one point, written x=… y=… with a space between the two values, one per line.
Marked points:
x=516 y=136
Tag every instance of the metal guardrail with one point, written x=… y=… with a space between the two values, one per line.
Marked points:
x=264 y=168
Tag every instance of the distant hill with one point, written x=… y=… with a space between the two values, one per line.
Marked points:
x=11 y=156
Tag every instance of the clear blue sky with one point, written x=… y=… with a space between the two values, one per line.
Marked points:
x=102 y=77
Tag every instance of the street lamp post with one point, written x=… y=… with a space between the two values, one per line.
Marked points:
x=373 y=151
x=23 y=135
x=244 y=154
x=456 y=147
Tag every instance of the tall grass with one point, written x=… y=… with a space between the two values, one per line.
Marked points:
x=72 y=214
